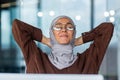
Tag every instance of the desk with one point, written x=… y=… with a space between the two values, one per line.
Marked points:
x=18 y=76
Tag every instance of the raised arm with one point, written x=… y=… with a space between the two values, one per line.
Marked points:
x=88 y=36
x=101 y=37
x=25 y=35
x=103 y=31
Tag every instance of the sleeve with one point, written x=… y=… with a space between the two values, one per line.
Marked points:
x=25 y=34
x=101 y=37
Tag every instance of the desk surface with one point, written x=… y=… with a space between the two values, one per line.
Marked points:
x=11 y=76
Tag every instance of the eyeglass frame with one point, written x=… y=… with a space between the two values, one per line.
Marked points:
x=66 y=28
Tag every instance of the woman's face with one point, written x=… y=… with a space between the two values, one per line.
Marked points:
x=63 y=30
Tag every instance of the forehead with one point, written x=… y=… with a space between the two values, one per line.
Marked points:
x=63 y=20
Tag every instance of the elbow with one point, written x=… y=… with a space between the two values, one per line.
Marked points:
x=15 y=25
x=108 y=26
x=15 y=21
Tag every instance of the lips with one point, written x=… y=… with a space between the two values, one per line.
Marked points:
x=64 y=35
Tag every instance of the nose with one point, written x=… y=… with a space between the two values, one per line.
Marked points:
x=64 y=29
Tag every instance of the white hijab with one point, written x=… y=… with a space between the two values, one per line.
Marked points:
x=61 y=56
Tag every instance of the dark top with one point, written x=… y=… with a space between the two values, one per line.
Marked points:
x=37 y=61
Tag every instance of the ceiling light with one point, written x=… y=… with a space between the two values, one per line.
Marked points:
x=112 y=19
x=40 y=14
x=51 y=13
x=78 y=17
x=112 y=12
x=106 y=14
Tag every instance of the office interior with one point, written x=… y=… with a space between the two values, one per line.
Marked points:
x=87 y=14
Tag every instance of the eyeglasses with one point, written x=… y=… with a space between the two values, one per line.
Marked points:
x=59 y=27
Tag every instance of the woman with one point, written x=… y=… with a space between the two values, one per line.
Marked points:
x=61 y=59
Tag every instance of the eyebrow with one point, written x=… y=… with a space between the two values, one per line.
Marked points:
x=61 y=23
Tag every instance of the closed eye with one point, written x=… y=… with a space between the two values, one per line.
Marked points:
x=57 y=28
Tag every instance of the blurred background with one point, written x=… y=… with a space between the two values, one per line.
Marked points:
x=86 y=14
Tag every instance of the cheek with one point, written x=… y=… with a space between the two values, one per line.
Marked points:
x=71 y=34
x=55 y=34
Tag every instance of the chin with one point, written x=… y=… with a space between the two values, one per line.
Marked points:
x=63 y=43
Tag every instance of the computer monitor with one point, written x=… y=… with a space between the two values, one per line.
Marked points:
x=7 y=76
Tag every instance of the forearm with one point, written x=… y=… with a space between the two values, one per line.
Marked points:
x=46 y=41
x=99 y=31
x=78 y=41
